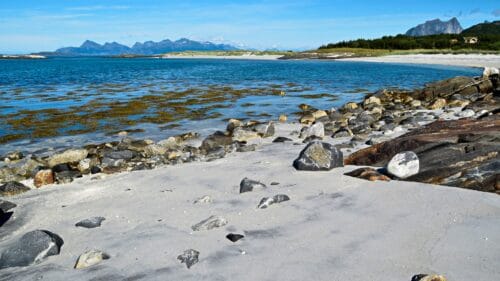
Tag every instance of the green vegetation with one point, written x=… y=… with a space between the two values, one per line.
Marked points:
x=229 y=53
x=486 y=28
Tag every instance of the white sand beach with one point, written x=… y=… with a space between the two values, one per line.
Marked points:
x=334 y=227
x=238 y=57
x=472 y=60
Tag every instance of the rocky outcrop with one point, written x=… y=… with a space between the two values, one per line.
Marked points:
x=434 y=27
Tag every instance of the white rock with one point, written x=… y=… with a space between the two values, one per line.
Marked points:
x=466 y=113
x=317 y=129
x=240 y=134
x=68 y=156
x=90 y=258
x=488 y=71
x=404 y=165
x=204 y=199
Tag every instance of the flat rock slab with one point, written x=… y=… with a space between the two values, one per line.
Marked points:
x=210 y=223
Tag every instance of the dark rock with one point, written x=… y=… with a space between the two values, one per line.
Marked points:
x=266 y=202
x=6 y=205
x=216 y=140
x=67 y=176
x=443 y=89
x=319 y=156
x=342 y=133
x=234 y=237
x=216 y=153
x=311 y=139
x=120 y=154
x=91 y=222
x=61 y=168
x=13 y=188
x=189 y=257
x=281 y=139
x=33 y=247
x=247 y=148
x=368 y=174
x=275 y=183
x=247 y=185
x=95 y=170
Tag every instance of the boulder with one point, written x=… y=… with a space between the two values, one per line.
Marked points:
x=247 y=185
x=368 y=174
x=216 y=140
x=90 y=258
x=6 y=206
x=189 y=257
x=242 y=135
x=13 y=188
x=68 y=156
x=443 y=89
x=209 y=223
x=404 y=165
x=32 y=248
x=319 y=156
x=317 y=130
x=43 y=177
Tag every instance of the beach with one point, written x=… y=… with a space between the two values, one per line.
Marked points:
x=222 y=57
x=471 y=60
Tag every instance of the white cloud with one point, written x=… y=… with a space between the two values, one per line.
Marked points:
x=97 y=8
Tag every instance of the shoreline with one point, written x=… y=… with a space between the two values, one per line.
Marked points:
x=238 y=57
x=468 y=60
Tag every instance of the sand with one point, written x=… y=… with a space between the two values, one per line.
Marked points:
x=240 y=57
x=334 y=227
x=473 y=60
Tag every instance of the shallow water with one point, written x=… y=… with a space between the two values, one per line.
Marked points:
x=86 y=98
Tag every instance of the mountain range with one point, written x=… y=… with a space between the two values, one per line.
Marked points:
x=90 y=48
x=434 y=27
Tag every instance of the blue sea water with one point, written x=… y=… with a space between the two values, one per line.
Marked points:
x=71 y=83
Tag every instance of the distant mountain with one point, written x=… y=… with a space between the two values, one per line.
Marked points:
x=435 y=27
x=486 y=28
x=90 y=48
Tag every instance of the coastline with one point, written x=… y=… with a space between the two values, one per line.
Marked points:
x=468 y=60
x=236 y=57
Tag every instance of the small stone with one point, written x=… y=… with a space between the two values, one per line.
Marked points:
x=14 y=156
x=342 y=133
x=32 y=248
x=95 y=170
x=67 y=176
x=204 y=199
x=438 y=104
x=242 y=135
x=266 y=202
x=120 y=154
x=265 y=130
x=210 y=223
x=90 y=258
x=68 y=156
x=247 y=148
x=368 y=174
x=403 y=165
x=5 y=205
x=415 y=103
x=84 y=165
x=13 y=188
x=281 y=139
x=466 y=113
x=351 y=106
x=189 y=257
x=91 y=222
x=307 y=119
x=233 y=237
x=373 y=100
x=43 y=177
x=247 y=185
x=319 y=114
x=319 y=156
x=425 y=277
x=233 y=124
x=282 y=118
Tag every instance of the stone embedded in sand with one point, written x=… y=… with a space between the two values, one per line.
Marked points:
x=204 y=199
x=240 y=134
x=404 y=165
x=317 y=130
x=210 y=223
x=189 y=257
x=319 y=156
x=215 y=141
x=90 y=258
x=233 y=237
x=43 y=177
x=281 y=139
x=6 y=205
x=265 y=130
x=91 y=222
x=266 y=202
x=68 y=156
x=425 y=277
x=247 y=185
x=368 y=174
x=33 y=247
x=12 y=188
x=67 y=176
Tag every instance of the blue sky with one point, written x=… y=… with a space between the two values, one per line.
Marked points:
x=36 y=25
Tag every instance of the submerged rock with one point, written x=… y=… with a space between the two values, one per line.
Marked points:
x=91 y=222
x=247 y=185
x=319 y=156
x=13 y=188
x=266 y=202
x=189 y=257
x=33 y=247
x=90 y=258
x=404 y=165
x=233 y=237
x=210 y=223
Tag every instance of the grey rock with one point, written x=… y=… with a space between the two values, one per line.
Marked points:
x=233 y=237
x=317 y=130
x=90 y=258
x=247 y=185
x=67 y=176
x=404 y=165
x=216 y=140
x=6 y=205
x=91 y=222
x=319 y=156
x=247 y=148
x=189 y=257
x=265 y=130
x=210 y=223
x=13 y=188
x=68 y=156
x=281 y=139
x=311 y=139
x=32 y=248
x=266 y=202
x=120 y=154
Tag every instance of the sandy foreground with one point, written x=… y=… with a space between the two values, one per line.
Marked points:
x=334 y=227
x=473 y=60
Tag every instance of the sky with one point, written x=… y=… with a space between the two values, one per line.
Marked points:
x=45 y=25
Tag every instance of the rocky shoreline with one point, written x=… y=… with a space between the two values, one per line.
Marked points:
x=446 y=133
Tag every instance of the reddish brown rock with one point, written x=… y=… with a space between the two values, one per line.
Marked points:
x=368 y=174
x=44 y=177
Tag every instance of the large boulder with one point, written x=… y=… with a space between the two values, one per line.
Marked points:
x=33 y=247
x=319 y=156
x=443 y=89
x=68 y=156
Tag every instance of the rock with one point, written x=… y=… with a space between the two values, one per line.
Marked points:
x=265 y=130
x=233 y=237
x=68 y=156
x=90 y=258
x=43 y=177
x=282 y=118
x=490 y=71
x=242 y=135
x=67 y=176
x=311 y=139
x=350 y=106
x=373 y=100
x=307 y=119
x=13 y=156
x=233 y=124
x=32 y=248
x=438 y=104
x=368 y=174
x=169 y=143
x=120 y=154
x=319 y=156
x=466 y=113
x=6 y=206
x=342 y=133
x=425 y=277
x=415 y=103
x=216 y=140
x=281 y=139
x=112 y=163
x=189 y=257
x=13 y=188
x=317 y=130
x=247 y=185
x=458 y=103
x=155 y=149
x=91 y=222
x=95 y=170
x=404 y=165
x=84 y=165
x=61 y=168
x=443 y=89
x=319 y=114
x=210 y=223
x=205 y=199
x=266 y=202
x=247 y=148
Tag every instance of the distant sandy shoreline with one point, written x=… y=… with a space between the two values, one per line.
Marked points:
x=468 y=60
x=242 y=57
